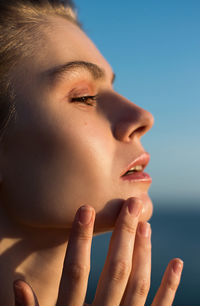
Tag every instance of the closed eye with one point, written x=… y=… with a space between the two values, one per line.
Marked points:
x=89 y=100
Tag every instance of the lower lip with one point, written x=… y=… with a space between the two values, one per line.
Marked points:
x=137 y=177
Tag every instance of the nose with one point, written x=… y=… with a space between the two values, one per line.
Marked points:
x=132 y=120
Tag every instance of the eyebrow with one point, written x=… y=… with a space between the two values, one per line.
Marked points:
x=57 y=73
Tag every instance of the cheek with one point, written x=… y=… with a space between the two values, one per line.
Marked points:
x=50 y=176
x=51 y=172
x=82 y=171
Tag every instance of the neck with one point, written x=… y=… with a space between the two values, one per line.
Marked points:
x=34 y=255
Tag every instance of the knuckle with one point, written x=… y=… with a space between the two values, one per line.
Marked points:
x=147 y=247
x=77 y=271
x=144 y=245
x=83 y=234
x=142 y=287
x=119 y=270
x=130 y=228
x=171 y=284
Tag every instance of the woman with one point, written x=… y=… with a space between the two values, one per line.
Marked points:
x=70 y=145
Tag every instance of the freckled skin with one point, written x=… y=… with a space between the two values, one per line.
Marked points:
x=61 y=155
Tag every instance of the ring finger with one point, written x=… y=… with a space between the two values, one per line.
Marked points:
x=139 y=280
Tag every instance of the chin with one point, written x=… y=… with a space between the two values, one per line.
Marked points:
x=106 y=218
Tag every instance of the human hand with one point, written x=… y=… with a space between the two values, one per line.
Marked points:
x=125 y=279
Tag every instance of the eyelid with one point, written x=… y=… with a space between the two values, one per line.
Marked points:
x=86 y=96
x=85 y=99
x=81 y=89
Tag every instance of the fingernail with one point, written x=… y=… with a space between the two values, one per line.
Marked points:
x=134 y=207
x=144 y=229
x=85 y=215
x=177 y=266
x=18 y=295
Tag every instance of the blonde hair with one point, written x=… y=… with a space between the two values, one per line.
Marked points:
x=20 y=21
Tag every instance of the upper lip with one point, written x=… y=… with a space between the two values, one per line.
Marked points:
x=141 y=160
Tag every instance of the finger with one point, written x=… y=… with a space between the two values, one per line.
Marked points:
x=24 y=295
x=76 y=267
x=139 y=281
x=169 y=284
x=118 y=264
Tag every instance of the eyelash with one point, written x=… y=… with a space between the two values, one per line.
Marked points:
x=85 y=100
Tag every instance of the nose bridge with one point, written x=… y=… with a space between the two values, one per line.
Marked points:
x=131 y=120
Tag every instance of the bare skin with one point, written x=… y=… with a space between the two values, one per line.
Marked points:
x=65 y=151
x=125 y=279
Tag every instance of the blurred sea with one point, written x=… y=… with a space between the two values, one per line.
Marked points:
x=175 y=233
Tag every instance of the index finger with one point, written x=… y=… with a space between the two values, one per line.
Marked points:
x=76 y=267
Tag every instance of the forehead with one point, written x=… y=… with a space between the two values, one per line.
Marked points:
x=66 y=42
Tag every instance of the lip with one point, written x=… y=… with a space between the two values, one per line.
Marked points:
x=142 y=160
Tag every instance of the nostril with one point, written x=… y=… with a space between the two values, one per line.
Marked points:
x=127 y=129
x=144 y=124
x=131 y=121
x=141 y=130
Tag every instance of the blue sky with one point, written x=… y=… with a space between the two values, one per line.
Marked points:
x=154 y=49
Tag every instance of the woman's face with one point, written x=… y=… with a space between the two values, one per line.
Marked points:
x=64 y=150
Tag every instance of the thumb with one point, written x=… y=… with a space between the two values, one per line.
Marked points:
x=24 y=294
